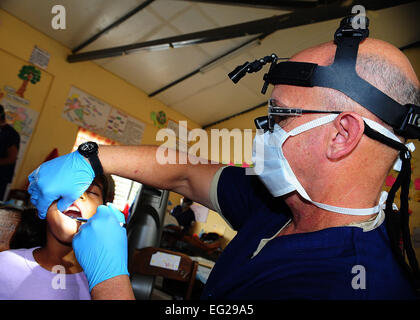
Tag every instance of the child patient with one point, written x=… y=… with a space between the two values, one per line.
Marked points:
x=47 y=269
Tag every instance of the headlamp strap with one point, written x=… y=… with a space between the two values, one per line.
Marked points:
x=400 y=220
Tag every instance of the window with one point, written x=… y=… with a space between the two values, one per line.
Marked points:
x=125 y=189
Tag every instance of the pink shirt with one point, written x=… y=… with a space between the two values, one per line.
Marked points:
x=22 y=278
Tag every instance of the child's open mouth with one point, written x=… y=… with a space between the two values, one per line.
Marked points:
x=73 y=212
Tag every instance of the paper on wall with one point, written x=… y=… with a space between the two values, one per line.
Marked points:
x=85 y=110
x=201 y=213
x=101 y=118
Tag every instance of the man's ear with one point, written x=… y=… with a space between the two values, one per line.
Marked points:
x=346 y=134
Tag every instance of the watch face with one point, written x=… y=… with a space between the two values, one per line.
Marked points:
x=87 y=147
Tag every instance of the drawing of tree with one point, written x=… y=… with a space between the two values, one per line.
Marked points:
x=28 y=74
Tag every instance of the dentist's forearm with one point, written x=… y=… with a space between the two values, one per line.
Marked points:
x=139 y=163
x=117 y=288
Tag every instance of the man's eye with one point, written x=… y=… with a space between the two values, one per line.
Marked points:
x=92 y=192
x=282 y=120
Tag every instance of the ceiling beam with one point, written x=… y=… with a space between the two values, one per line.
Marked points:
x=223 y=33
x=411 y=45
x=208 y=64
x=266 y=4
x=112 y=25
x=262 y=26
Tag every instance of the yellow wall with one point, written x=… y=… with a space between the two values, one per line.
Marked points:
x=17 y=40
x=215 y=223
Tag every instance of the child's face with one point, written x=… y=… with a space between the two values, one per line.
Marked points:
x=62 y=226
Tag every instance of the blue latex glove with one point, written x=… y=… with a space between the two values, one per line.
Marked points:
x=64 y=178
x=101 y=246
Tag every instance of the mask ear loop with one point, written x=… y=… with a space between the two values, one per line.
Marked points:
x=398 y=223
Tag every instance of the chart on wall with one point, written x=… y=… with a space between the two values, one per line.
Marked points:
x=97 y=116
x=23 y=119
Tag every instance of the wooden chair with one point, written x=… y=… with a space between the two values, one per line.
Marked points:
x=140 y=263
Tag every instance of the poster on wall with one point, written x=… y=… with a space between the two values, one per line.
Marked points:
x=97 y=116
x=85 y=111
x=23 y=119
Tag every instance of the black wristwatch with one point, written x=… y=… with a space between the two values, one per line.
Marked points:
x=90 y=150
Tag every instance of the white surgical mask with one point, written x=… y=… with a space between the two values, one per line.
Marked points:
x=278 y=176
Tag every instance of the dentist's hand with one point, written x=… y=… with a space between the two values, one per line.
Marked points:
x=101 y=246
x=64 y=179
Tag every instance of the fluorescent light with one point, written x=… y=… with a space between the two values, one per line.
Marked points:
x=158 y=47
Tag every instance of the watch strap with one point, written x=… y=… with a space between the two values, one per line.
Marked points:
x=96 y=164
x=90 y=151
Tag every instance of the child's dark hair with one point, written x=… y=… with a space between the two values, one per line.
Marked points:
x=108 y=187
x=32 y=231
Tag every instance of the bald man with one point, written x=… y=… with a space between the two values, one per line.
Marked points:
x=331 y=161
x=287 y=247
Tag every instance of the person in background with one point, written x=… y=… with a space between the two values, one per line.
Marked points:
x=9 y=148
x=41 y=264
x=183 y=214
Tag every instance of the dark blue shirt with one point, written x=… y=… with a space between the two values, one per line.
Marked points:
x=334 y=263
